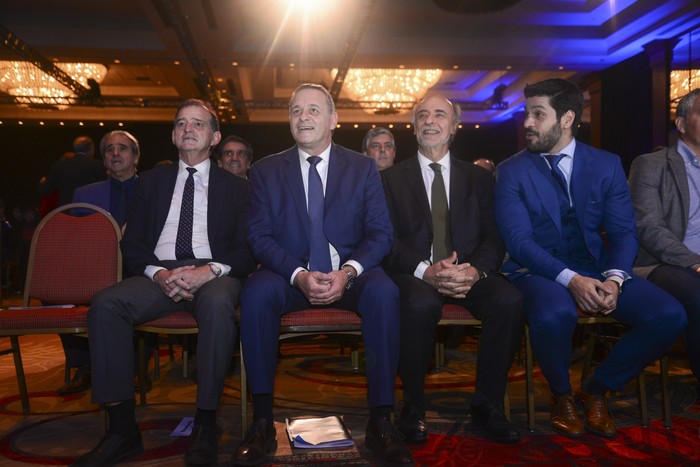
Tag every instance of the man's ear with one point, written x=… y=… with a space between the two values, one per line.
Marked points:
x=567 y=120
x=680 y=124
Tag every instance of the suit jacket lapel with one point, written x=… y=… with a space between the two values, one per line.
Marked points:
x=165 y=195
x=336 y=168
x=458 y=192
x=292 y=176
x=677 y=165
x=216 y=192
x=582 y=176
x=541 y=177
x=416 y=185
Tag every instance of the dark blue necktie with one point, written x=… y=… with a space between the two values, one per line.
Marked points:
x=558 y=175
x=183 y=243
x=320 y=256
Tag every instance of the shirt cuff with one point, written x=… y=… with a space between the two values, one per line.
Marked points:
x=151 y=271
x=225 y=268
x=294 y=274
x=358 y=267
x=565 y=277
x=616 y=272
x=420 y=269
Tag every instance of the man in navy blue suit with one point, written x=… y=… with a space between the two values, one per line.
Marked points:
x=120 y=152
x=319 y=227
x=185 y=247
x=565 y=214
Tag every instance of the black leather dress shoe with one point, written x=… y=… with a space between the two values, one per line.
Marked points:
x=259 y=442
x=110 y=450
x=202 y=450
x=79 y=382
x=491 y=418
x=411 y=425
x=382 y=438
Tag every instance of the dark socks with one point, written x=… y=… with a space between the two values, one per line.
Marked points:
x=262 y=407
x=122 y=418
x=383 y=411
x=205 y=418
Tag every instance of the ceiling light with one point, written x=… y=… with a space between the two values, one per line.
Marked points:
x=681 y=83
x=32 y=86
x=388 y=91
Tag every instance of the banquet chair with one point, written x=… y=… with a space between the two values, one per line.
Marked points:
x=594 y=336
x=71 y=259
x=178 y=323
x=313 y=321
x=453 y=314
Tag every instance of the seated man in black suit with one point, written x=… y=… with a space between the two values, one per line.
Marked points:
x=447 y=250
x=185 y=246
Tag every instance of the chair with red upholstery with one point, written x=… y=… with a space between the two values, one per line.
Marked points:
x=303 y=323
x=177 y=322
x=71 y=259
x=594 y=322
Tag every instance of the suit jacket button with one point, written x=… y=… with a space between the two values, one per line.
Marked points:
x=555 y=251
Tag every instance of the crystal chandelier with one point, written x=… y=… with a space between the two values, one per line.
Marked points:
x=32 y=86
x=388 y=91
x=681 y=83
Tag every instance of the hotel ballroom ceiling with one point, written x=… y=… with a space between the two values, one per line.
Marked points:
x=250 y=54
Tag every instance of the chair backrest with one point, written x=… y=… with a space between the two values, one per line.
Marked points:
x=72 y=258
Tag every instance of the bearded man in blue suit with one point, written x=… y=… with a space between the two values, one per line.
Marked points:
x=565 y=214
x=319 y=227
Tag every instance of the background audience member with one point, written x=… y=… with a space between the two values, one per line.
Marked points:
x=452 y=259
x=67 y=174
x=379 y=144
x=176 y=210
x=319 y=250
x=235 y=155
x=120 y=152
x=553 y=201
x=665 y=189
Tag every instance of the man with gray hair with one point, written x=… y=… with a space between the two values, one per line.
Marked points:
x=379 y=144
x=665 y=188
x=121 y=152
x=447 y=250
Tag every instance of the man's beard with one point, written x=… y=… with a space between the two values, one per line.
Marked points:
x=546 y=141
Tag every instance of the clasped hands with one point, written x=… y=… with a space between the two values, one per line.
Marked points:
x=321 y=288
x=450 y=279
x=593 y=296
x=181 y=283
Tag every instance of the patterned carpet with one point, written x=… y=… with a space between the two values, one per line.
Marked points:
x=313 y=378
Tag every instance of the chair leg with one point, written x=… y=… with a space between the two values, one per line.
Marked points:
x=588 y=358
x=506 y=403
x=665 y=393
x=156 y=358
x=185 y=354
x=642 y=394
x=439 y=349
x=244 y=396
x=529 y=382
x=142 y=370
x=19 y=370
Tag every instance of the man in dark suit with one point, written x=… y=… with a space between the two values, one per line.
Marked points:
x=120 y=152
x=449 y=259
x=665 y=188
x=69 y=173
x=185 y=246
x=551 y=216
x=326 y=254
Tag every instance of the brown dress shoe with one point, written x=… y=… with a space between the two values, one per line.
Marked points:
x=565 y=420
x=79 y=382
x=598 y=419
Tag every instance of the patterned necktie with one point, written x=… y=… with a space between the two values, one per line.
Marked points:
x=558 y=175
x=320 y=256
x=442 y=240
x=183 y=243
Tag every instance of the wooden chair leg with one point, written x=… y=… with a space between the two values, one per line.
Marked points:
x=665 y=393
x=439 y=349
x=529 y=381
x=156 y=358
x=142 y=370
x=19 y=370
x=244 y=396
x=642 y=394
